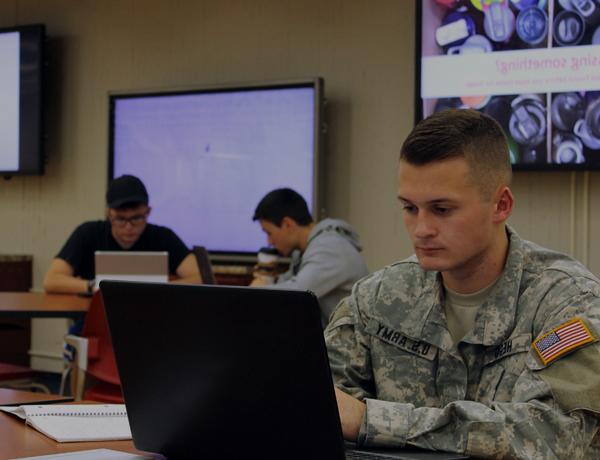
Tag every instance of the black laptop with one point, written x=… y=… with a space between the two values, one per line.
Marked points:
x=219 y=372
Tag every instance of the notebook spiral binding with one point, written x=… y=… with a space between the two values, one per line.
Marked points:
x=82 y=414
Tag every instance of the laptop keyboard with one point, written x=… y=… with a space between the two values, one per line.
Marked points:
x=354 y=454
x=361 y=455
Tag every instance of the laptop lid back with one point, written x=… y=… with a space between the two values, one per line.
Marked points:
x=144 y=266
x=223 y=372
x=204 y=265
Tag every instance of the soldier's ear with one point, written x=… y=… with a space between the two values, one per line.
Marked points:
x=503 y=204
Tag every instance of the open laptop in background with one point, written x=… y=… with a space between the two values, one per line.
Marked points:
x=227 y=372
x=143 y=266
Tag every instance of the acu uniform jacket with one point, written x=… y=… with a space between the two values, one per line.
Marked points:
x=524 y=383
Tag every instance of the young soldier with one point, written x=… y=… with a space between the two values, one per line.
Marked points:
x=482 y=343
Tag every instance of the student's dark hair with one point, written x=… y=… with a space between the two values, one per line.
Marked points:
x=280 y=203
x=462 y=133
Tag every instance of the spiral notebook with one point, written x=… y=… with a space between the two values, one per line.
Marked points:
x=76 y=422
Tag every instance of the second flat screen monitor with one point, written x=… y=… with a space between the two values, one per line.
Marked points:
x=207 y=157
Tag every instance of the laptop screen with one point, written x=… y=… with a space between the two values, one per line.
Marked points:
x=210 y=370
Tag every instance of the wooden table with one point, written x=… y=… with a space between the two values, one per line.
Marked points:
x=16 y=397
x=17 y=308
x=40 y=305
x=20 y=440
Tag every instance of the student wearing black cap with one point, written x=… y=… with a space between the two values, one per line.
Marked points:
x=125 y=228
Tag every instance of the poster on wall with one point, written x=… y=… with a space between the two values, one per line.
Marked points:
x=533 y=65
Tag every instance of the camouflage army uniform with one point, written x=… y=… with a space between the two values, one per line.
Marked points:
x=489 y=395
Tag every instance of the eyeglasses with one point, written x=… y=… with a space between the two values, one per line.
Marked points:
x=135 y=220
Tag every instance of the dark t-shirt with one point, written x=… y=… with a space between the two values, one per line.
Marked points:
x=94 y=236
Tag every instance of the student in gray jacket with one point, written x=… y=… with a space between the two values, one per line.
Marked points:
x=326 y=255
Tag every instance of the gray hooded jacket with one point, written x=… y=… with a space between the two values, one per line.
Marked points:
x=329 y=266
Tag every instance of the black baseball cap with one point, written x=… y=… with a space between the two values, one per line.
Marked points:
x=126 y=189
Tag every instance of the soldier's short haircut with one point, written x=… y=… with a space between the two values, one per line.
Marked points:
x=280 y=203
x=462 y=133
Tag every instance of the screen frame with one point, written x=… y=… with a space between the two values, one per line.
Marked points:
x=419 y=107
x=318 y=209
x=31 y=99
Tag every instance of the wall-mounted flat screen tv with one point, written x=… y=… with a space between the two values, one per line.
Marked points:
x=21 y=81
x=208 y=155
x=534 y=65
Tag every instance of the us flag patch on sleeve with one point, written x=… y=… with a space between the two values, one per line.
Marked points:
x=562 y=339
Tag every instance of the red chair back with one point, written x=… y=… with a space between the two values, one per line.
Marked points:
x=101 y=357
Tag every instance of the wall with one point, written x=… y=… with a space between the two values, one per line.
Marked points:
x=363 y=49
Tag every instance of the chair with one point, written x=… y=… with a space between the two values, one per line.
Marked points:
x=203 y=260
x=94 y=357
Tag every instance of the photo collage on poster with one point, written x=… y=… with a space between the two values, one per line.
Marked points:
x=534 y=65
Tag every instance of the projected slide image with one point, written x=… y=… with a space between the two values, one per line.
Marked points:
x=532 y=64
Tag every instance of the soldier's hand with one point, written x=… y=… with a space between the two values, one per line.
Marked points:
x=351 y=412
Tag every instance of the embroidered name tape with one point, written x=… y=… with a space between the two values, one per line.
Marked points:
x=562 y=339
x=513 y=345
x=396 y=338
